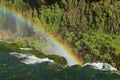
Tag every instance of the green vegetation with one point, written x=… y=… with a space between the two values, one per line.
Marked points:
x=61 y=61
x=15 y=47
x=6 y=47
x=51 y=18
x=20 y=43
x=77 y=73
x=90 y=27
x=99 y=46
x=13 y=69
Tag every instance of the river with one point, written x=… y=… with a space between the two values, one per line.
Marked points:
x=16 y=66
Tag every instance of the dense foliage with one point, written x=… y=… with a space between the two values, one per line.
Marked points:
x=90 y=27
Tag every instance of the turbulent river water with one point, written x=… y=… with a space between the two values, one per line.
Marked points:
x=19 y=66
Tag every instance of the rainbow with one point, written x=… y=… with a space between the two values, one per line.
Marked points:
x=62 y=49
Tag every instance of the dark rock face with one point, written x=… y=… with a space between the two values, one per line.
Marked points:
x=38 y=3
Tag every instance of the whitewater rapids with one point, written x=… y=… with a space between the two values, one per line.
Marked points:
x=30 y=59
x=100 y=66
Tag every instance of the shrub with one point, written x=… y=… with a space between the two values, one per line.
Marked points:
x=20 y=43
x=95 y=52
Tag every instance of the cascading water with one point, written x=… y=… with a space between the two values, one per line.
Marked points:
x=15 y=24
x=30 y=59
x=20 y=28
x=100 y=66
x=14 y=65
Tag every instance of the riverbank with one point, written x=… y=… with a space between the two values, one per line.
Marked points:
x=16 y=47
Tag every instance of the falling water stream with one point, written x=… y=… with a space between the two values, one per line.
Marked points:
x=19 y=66
x=21 y=28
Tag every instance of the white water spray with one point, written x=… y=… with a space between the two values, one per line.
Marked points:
x=26 y=48
x=100 y=66
x=30 y=59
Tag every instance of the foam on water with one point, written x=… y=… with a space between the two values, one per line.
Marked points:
x=26 y=48
x=100 y=66
x=30 y=59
